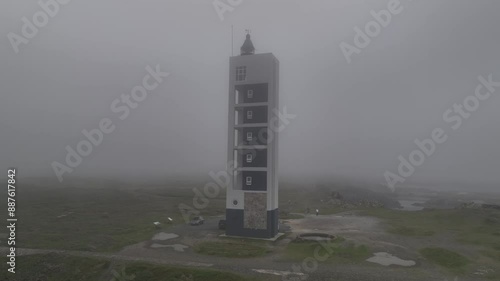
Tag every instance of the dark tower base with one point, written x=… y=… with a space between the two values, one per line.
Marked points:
x=234 y=225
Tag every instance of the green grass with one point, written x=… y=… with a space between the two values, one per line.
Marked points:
x=495 y=255
x=233 y=249
x=468 y=226
x=64 y=268
x=98 y=218
x=445 y=258
x=476 y=227
x=409 y=231
x=147 y=272
x=108 y=217
x=338 y=250
x=57 y=268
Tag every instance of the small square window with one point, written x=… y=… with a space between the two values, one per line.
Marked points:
x=249 y=158
x=250 y=94
x=249 y=114
x=249 y=136
x=248 y=180
x=241 y=73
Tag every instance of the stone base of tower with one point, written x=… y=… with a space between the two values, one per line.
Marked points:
x=235 y=225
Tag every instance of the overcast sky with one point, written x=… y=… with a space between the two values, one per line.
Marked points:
x=352 y=119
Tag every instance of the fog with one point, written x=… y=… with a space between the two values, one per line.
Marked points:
x=352 y=120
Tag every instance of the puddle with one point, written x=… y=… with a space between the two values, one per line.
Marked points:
x=387 y=259
x=162 y=236
x=176 y=247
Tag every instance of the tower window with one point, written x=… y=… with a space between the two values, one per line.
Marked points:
x=249 y=114
x=249 y=158
x=248 y=180
x=250 y=94
x=241 y=73
x=249 y=136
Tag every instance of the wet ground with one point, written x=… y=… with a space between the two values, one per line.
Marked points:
x=396 y=257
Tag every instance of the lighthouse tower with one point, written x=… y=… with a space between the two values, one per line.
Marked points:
x=252 y=194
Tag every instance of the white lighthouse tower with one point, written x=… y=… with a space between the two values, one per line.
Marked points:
x=252 y=194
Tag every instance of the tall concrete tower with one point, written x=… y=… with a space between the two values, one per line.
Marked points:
x=252 y=195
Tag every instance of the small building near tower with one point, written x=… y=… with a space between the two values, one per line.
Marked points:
x=252 y=194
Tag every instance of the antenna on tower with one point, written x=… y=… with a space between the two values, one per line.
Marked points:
x=232 y=40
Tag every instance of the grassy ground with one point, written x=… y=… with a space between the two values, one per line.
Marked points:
x=233 y=248
x=495 y=255
x=102 y=218
x=338 y=250
x=467 y=226
x=109 y=217
x=478 y=228
x=62 y=268
x=106 y=219
x=446 y=258
x=97 y=219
